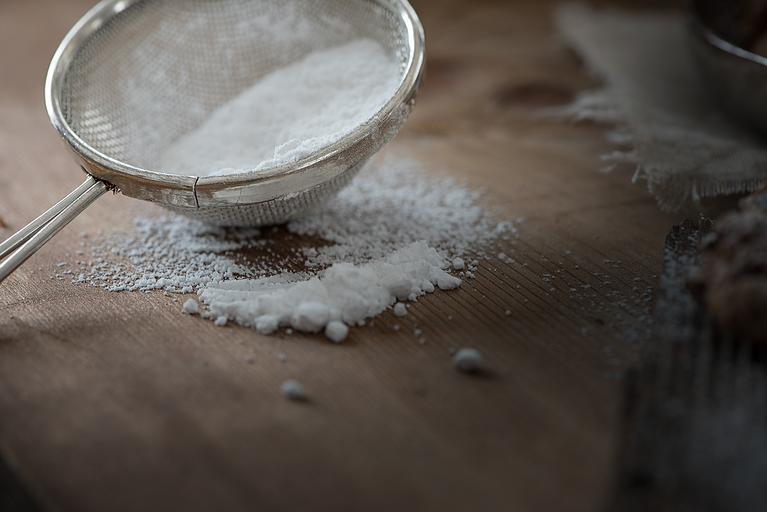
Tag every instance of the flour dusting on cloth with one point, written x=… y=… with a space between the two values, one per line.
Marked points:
x=683 y=145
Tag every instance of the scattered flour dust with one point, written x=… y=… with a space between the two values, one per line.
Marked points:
x=290 y=113
x=394 y=234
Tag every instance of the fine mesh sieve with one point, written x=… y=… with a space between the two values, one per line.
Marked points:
x=132 y=76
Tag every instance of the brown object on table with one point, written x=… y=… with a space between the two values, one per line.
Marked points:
x=120 y=402
x=734 y=274
x=695 y=429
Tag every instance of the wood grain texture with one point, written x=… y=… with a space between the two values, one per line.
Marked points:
x=119 y=402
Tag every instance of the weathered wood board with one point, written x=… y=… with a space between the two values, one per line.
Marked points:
x=119 y=402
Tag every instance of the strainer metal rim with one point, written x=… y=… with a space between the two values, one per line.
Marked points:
x=105 y=9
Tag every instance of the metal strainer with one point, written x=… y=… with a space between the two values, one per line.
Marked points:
x=132 y=76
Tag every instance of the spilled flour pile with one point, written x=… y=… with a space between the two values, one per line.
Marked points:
x=394 y=234
x=290 y=113
x=344 y=292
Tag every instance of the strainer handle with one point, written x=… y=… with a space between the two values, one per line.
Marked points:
x=34 y=235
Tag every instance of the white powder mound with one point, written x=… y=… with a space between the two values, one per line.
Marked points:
x=290 y=113
x=344 y=292
x=338 y=266
x=336 y=331
x=469 y=360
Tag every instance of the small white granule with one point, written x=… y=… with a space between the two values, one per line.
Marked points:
x=400 y=309
x=191 y=307
x=221 y=320
x=336 y=331
x=293 y=390
x=469 y=360
x=418 y=332
x=458 y=264
x=364 y=263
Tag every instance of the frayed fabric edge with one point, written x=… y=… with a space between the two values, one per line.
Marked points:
x=671 y=193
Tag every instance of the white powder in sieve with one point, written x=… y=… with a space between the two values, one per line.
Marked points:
x=290 y=113
x=391 y=235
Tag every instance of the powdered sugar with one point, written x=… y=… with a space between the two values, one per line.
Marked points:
x=392 y=235
x=290 y=113
x=343 y=292
x=336 y=331
x=191 y=307
x=395 y=203
x=173 y=254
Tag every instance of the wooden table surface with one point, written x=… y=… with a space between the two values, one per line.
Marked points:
x=119 y=402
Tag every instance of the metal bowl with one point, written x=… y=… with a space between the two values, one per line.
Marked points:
x=724 y=34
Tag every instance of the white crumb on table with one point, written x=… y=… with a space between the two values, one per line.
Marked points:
x=191 y=307
x=290 y=113
x=293 y=390
x=336 y=331
x=468 y=360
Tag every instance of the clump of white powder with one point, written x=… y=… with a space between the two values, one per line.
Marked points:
x=469 y=360
x=400 y=309
x=390 y=237
x=342 y=293
x=336 y=331
x=290 y=113
x=191 y=307
x=293 y=390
